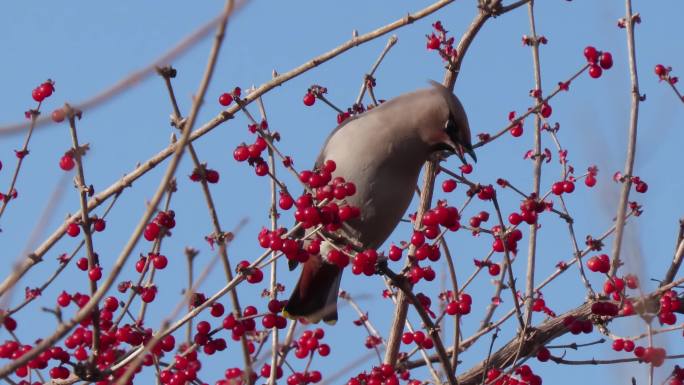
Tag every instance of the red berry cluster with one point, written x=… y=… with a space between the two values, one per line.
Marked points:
x=364 y=262
x=253 y=275
x=439 y=41
x=419 y=338
x=384 y=374
x=299 y=378
x=599 y=263
x=651 y=355
x=157 y=260
x=477 y=220
x=416 y=273
x=577 y=326
x=598 y=61
x=639 y=185
x=677 y=377
x=620 y=344
x=524 y=373
x=493 y=268
x=460 y=306
x=272 y=318
x=43 y=91
x=211 y=176
x=240 y=326
x=235 y=376
x=669 y=303
x=226 y=98
x=603 y=308
x=566 y=186
x=539 y=305
x=511 y=240
x=252 y=154
x=663 y=73
x=530 y=208
x=517 y=129
x=186 y=368
x=165 y=220
x=442 y=215
x=310 y=342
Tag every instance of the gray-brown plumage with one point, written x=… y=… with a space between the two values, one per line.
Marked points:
x=381 y=151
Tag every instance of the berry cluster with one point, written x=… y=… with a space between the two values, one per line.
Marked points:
x=577 y=326
x=226 y=98
x=663 y=73
x=160 y=225
x=439 y=41
x=419 y=338
x=523 y=372
x=598 y=61
x=252 y=154
x=460 y=306
x=43 y=91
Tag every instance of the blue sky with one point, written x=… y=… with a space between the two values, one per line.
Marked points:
x=86 y=47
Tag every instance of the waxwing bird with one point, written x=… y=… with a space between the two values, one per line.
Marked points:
x=381 y=151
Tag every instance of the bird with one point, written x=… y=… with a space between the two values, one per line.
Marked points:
x=382 y=152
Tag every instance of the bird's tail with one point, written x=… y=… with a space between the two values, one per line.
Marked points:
x=315 y=296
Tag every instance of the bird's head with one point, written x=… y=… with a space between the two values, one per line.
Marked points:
x=448 y=128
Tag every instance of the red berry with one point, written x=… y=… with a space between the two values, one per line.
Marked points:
x=309 y=99
x=591 y=54
x=595 y=71
x=606 y=61
x=590 y=180
x=111 y=303
x=95 y=274
x=212 y=176
x=160 y=261
x=225 y=99
x=517 y=130
x=433 y=42
x=467 y=168
x=568 y=186
x=543 y=354
x=557 y=188
x=329 y=166
x=545 y=110
x=515 y=219
x=37 y=95
x=241 y=153
x=660 y=70
x=58 y=115
x=641 y=187
x=99 y=224
x=418 y=238
x=494 y=269
x=47 y=89
x=449 y=185
x=64 y=299
x=151 y=231
x=67 y=162
x=73 y=229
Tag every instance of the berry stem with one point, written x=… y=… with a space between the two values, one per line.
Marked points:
x=85 y=221
x=631 y=141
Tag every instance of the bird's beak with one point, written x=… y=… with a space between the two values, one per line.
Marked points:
x=469 y=150
x=461 y=150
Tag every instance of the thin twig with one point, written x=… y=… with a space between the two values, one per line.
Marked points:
x=631 y=141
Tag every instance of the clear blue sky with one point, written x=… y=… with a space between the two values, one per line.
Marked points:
x=86 y=46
